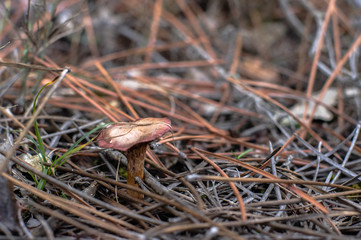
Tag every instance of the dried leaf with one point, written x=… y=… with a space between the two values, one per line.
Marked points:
x=33 y=160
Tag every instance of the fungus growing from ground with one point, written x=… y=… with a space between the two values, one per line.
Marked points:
x=132 y=138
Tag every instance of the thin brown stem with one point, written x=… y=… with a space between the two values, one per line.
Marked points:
x=136 y=156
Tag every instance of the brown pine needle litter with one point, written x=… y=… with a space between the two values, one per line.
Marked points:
x=262 y=102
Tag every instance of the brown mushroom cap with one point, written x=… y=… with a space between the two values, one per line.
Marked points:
x=122 y=136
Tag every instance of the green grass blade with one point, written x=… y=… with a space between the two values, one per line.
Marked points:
x=75 y=148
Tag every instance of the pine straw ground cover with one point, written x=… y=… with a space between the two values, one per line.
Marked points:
x=240 y=162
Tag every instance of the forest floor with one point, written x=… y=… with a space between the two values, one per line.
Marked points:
x=264 y=103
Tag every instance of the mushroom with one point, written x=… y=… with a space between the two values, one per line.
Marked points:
x=132 y=139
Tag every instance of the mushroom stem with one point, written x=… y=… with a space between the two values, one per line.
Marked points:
x=136 y=157
x=132 y=139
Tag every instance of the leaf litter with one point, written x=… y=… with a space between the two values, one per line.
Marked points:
x=240 y=163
